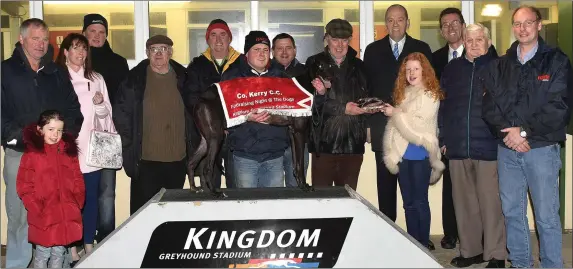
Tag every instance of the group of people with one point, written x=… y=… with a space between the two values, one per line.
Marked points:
x=53 y=198
x=501 y=126
x=491 y=127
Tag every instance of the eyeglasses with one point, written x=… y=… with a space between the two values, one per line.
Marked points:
x=528 y=24
x=454 y=24
x=155 y=50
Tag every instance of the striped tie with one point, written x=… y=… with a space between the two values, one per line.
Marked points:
x=396 y=54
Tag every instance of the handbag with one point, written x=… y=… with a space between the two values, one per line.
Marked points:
x=104 y=146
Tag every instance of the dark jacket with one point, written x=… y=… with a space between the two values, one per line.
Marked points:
x=128 y=114
x=534 y=96
x=440 y=58
x=202 y=72
x=111 y=66
x=294 y=69
x=382 y=70
x=253 y=140
x=339 y=133
x=26 y=94
x=462 y=129
x=52 y=188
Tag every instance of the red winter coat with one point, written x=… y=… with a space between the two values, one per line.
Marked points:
x=52 y=188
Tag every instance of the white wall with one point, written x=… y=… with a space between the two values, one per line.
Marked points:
x=366 y=188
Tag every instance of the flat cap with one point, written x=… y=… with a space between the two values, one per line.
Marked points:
x=158 y=39
x=339 y=28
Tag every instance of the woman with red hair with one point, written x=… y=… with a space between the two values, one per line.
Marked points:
x=411 y=145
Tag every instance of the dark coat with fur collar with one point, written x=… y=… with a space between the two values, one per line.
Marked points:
x=52 y=189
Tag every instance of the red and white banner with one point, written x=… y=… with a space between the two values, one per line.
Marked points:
x=277 y=96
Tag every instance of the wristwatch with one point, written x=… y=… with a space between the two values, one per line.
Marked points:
x=522 y=132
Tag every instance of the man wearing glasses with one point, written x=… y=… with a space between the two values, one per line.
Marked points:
x=451 y=24
x=154 y=149
x=526 y=105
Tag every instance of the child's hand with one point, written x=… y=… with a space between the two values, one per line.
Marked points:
x=98 y=98
x=389 y=110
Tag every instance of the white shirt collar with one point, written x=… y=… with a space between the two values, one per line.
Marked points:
x=460 y=50
x=257 y=73
x=400 y=44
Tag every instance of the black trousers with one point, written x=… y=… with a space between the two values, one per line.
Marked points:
x=387 y=187
x=448 y=214
x=152 y=177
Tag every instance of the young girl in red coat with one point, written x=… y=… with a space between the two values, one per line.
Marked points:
x=51 y=187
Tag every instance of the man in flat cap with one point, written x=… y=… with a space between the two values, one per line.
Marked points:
x=337 y=144
x=153 y=123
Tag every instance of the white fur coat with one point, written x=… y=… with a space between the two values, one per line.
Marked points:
x=417 y=123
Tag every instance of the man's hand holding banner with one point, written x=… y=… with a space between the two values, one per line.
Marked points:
x=277 y=96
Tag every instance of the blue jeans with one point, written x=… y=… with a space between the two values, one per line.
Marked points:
x=290 y=180
x=106 y=203
x=18 y=250
x=538 y=171
x=90 y=210
x=414 y=180
x=254 y=174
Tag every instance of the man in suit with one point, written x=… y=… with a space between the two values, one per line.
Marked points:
x=382 y=60
x=452 y=24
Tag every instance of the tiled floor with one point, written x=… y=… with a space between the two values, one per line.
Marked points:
x=444 y=256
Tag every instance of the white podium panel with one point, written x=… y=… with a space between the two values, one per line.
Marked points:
x=259 y=228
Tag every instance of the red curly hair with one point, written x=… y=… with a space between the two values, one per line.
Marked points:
x=428 y=78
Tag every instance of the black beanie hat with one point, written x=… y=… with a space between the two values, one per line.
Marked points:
x=95 y=19
x=256 y=37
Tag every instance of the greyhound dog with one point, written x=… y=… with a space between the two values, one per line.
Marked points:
x=210 y=120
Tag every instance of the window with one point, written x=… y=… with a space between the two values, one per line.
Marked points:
x=12 y=14
x=305 y=21
x=186 y=22
x=64 y=17
x=424 y=20
x=496 y=15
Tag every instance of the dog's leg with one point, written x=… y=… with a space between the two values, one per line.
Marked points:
x=194 y=161
x=294 y=153
x=210 y=121
x=214 y=146
x=298 y=131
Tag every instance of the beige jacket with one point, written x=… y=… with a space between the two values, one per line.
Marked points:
x=417 y=123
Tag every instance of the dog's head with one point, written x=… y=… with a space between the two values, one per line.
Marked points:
x=325 y=70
